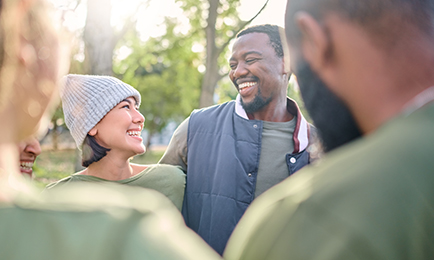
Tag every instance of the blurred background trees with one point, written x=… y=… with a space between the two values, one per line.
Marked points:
x=176 y=71
x=178 y=64
x=175 y=52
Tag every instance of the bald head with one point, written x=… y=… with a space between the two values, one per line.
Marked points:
x=375 y=55
x=385 y=20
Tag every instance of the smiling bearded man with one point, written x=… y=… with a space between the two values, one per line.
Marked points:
x=235 y=151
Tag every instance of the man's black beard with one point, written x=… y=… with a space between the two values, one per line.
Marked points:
x=257 y=104
x=335 y=123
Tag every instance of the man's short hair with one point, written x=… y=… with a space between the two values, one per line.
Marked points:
x=384 y=19
x=273 y=34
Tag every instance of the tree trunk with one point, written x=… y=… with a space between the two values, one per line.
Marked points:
x=99 y=38
x=148 y=141
x=211 y=76
x=55 y=136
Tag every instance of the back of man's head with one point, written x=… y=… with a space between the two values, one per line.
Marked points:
x=384 y=20
x=375 y=55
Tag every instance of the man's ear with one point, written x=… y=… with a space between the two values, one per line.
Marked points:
x=93 y=131
x=286 y=60
x=314 y=40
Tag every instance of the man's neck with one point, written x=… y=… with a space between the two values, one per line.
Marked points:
x=273 y=112
x=389 y=108
x=387 y=89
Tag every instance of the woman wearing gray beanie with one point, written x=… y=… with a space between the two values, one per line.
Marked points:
x=102 y=114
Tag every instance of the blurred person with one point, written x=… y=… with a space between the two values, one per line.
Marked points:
x=102 y=113
x=28 y=149
x=372 y=198
x=235 y=151
x=79 y=221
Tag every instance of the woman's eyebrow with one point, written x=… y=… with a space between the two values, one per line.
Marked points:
x=129 y=102
x=136 y=104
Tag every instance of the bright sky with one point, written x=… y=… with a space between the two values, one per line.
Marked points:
x=273 y=13
x=151 y=17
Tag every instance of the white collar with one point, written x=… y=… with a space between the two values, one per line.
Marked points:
x=239 y=108
x=419 y=101
x=302 y=128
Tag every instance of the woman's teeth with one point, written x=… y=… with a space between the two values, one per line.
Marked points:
x=26 y=165
x=133 y=133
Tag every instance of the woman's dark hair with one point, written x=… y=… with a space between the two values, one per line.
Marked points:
x=92 y=151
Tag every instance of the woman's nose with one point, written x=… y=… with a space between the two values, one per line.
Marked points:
x=33 y=147
x=139 y=118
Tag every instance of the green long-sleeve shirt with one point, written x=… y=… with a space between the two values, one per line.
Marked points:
x=167 y=179
x=97 y=222
x=372 y=199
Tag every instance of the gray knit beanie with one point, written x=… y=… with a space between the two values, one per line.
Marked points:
x=86 y=99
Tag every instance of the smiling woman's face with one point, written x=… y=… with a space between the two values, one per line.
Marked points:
x=120 y=129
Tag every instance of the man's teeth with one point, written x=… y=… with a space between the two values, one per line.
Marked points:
x=246 y=84
x=26 y=165
x=133 y=133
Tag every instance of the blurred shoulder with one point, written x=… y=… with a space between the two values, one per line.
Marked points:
x=95 y=196
x=59 y=183
x=166 y=169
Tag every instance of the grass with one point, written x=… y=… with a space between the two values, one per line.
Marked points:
x=52 y=166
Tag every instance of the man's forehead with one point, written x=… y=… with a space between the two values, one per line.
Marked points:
x=252 y=42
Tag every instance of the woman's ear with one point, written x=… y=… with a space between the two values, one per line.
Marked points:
x=93 y=131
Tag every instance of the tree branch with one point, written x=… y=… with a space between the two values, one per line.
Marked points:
x=221 y=76
x=130 y=23
x=76 y=6
x=241 y=26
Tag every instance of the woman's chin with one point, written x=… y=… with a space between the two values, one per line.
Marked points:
x=140 y=150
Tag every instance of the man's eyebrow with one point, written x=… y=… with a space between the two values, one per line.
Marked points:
x=252 y=52
x=247 y=53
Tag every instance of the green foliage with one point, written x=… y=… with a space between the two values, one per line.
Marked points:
x=226 y=90
x=294 y=93
x=164 y=71
x=227 y=24
x=227 y=19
